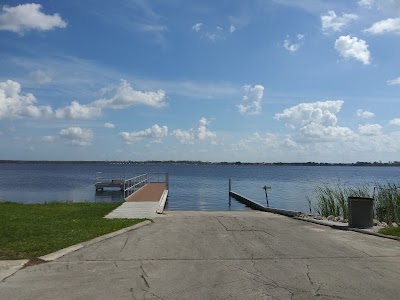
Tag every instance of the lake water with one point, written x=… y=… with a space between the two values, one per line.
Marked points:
x=191 y=187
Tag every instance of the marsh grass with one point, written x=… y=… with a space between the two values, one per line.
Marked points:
x=32 y=230
x=387 y=202
x=331 y=199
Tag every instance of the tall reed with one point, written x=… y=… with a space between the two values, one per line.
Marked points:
x=331 y=199
x=387 y=202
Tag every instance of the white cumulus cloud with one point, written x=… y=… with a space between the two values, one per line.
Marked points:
x=293 y=47
x=352 y=47
x=48 y=139
x=41 y=76
x=320 y=112
x=370 y=129
x=154 y=131
x=395 y=122
x=77 y=111
x=77 y=136
x=251 y=101
x=384 y=26
x=199 y=133
x=14 y=104
x=26 y=17
x=109 y=125
x=124 y=96
x=197 y=26
x=395 y=81
x=364 y=114
x=366 y=3
x=316 y=121
x=290 y=47
x=318 y=131
x=332 y=22
x=389 y=6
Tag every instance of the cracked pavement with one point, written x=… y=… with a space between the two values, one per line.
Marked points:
x=219 y=255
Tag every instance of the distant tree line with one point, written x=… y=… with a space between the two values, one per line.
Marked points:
x=199 y=162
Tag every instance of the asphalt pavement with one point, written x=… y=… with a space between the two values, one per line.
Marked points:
x=219 y=255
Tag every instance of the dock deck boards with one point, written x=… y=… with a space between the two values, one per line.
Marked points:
x=142 y=204
x=150 y=192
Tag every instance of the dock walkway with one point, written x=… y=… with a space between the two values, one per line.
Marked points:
x=150 y=192
x=144 y=203
x=135 y=210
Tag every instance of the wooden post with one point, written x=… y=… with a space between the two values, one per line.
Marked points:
x=167 y=180
x=230 y=185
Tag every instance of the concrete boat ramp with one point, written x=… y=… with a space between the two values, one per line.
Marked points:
x=212 y=255
x=219 y=255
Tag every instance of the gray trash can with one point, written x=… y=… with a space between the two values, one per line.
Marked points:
x=361 y=212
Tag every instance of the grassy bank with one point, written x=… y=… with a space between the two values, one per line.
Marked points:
x=32 y=230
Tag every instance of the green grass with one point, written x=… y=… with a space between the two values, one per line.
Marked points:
x=33 y=230
x=390 y=231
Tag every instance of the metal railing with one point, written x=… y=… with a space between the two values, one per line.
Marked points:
x=133 y=184
x=158 y=178
x=107 y=177
x=129 y=183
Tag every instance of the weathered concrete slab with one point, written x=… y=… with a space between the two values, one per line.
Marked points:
x=9 y=267
x=220 y=255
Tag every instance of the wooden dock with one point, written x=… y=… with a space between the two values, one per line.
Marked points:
x=146 y=202
x=149 y=192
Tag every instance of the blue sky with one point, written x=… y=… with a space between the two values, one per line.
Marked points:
x=254 y=81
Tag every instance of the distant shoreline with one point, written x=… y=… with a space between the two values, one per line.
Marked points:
x=185 y=162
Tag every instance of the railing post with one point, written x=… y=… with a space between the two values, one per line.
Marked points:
x=167 y=180
x=124 y=187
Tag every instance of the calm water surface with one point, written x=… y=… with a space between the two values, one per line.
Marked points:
x=191 y=187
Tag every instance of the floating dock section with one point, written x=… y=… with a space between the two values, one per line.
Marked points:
x=114 y=183
x=256 y=206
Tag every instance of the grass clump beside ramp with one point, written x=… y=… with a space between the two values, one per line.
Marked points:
x=33 y=230
x=395 y=231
